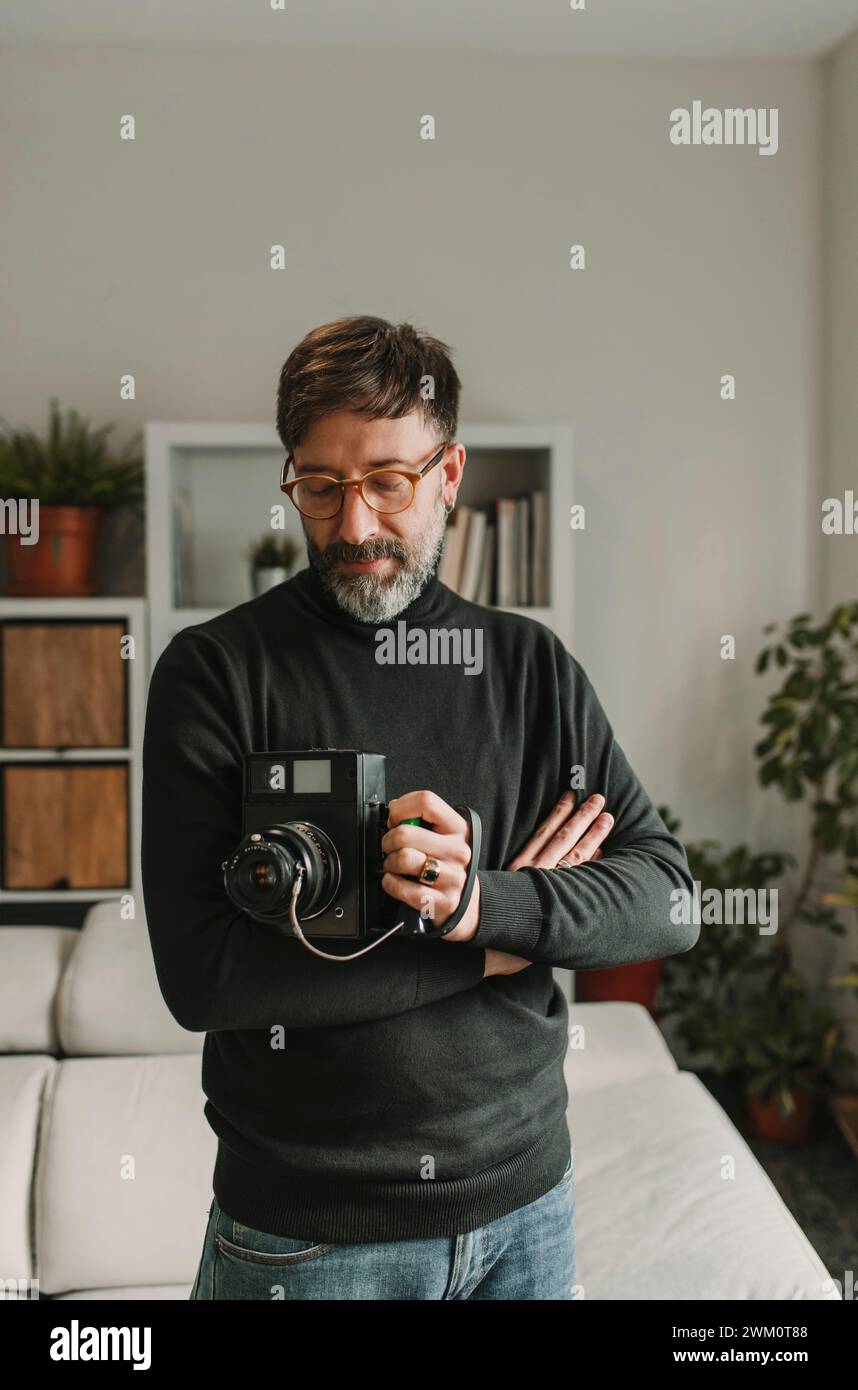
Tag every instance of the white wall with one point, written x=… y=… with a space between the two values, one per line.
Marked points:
x=840 y=366
x=152 y=258
x=841 y=343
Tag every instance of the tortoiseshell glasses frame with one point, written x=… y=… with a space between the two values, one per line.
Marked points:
x=342 y=483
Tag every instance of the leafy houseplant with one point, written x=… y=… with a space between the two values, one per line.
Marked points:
x=792 y=1046
x=812 y=749
x=71 y=480
x=812 y=744
x=734 y=1003
x=271 y=558
x=844 y=1103
x=706 y=989
x=748 y=1005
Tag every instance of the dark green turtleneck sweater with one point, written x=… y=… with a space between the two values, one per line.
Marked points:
x=411 y=1097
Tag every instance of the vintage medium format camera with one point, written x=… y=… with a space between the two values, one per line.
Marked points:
x=316 y=817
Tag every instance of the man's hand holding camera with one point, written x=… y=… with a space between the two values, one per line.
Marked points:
x=408 y=849
x=564 y=839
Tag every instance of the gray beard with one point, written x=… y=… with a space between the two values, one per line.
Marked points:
x=374 y=598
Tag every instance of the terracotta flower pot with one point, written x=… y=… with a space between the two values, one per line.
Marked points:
x=767 y=1122
x=62 y=562
x=635 y=984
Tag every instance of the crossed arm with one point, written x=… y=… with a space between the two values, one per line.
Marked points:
x=573 y=835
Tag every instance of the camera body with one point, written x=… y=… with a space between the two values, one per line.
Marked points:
x=323 y=809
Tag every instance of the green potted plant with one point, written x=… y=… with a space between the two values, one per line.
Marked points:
x=746 y=1004
x=706 y=990
x=792 y=1049
x=740 y=1013
x=844 y=1102
x=811 y=750
x=70 y=480
x=271 y=560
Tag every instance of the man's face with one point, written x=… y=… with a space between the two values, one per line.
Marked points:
x=374 y=564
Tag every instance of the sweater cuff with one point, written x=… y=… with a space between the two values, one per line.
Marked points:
x=511 y=915
x=447 y=967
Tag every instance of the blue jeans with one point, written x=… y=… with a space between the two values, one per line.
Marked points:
x=527 y=1254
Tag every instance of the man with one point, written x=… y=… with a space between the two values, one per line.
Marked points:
x=392 y=1127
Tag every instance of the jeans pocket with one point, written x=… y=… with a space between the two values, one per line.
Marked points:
x=241 y=1242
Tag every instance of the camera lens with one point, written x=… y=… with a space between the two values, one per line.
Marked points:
x=260 y=875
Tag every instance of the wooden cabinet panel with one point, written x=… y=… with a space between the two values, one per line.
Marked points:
x=65 y=826
x=63 y=685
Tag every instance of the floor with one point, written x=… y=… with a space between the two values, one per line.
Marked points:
x=818 y=1181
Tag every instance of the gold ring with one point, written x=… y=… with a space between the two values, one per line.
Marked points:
x=431 y=870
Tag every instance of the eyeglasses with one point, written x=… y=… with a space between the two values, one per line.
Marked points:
x=385 y=490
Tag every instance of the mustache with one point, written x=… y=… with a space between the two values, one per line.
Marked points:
x=372 y=550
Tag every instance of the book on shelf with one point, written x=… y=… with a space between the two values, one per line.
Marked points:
x=450 y=568
x=486 y=591
x=539 y=566
x=472 y=562
x=498 y=554
x=521 y=526
x=463 y=561
x=507 y=590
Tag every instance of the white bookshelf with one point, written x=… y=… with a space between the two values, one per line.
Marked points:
x=210 y=488
x=131 y=612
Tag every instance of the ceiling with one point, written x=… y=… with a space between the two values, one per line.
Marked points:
x=605 y=28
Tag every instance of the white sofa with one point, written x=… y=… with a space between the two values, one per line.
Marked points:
x=105 y=1169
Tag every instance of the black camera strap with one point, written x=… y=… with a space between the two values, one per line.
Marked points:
x=467 y=892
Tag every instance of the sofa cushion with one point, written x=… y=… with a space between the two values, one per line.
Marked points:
x=32 y=960
x=110 y=1002
x=23 y=1081
x=657 y=1215
x=611 y=1043
x=123 y=1177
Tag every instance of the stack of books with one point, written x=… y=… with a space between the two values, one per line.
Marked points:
x=499 y=554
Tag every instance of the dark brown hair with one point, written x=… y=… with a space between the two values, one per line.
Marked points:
x=370 y=366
